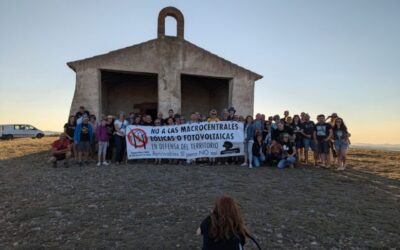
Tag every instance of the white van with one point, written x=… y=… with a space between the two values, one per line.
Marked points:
x=11 y=131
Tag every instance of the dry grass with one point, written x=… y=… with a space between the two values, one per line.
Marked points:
x=25 y=146
x=146 y=206
x=383 y=163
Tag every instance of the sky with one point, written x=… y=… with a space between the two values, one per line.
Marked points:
x=316 y=56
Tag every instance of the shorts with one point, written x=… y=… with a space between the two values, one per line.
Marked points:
x=83 y=146
x=341 y=145
x=308 y=143
x=60 y=157
x=322 y=147
x=299 y=144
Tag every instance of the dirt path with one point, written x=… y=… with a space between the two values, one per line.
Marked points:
x=159 y=207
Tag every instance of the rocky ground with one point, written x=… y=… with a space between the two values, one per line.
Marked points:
x=145 y=206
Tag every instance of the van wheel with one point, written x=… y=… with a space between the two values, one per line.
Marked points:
x=9 y=137
x=39 y=135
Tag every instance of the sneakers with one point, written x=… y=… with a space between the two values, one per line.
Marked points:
x=244 y=164
x=98 y=164
x=105 y=163
x=250 y=166
x=341 y=167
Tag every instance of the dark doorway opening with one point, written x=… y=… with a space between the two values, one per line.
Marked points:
x=203 y=93
x=129 y=92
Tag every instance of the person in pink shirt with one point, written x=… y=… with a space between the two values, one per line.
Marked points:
x=102 y=137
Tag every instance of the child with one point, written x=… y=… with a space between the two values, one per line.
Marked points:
x=102 y=137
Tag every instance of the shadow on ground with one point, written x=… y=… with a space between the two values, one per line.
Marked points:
x=143 y=206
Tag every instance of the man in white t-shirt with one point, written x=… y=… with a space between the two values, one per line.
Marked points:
x=119 y=137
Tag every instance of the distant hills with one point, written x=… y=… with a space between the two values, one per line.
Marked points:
x=51 y=133
x=390 y=147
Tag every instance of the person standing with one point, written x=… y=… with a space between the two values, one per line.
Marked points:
x=102 y=138
x=231 y=116
x=79 y=114
x=170 y=115
x=298 y=136
x=83 y=137
x=119 y=137
x=213 y=118
x=285 y=116
x=322 y=135
x=160 y=116
x=308 y=142
x=249 y=132
x=332 y=120
x=258 y=123
x=342 y=142
x=69 y=130
x=225 y=115
x=110 y=133
x=93 y=122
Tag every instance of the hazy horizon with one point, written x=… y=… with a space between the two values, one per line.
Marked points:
x=315 y=56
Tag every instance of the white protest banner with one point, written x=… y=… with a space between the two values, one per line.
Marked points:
x=186 y=141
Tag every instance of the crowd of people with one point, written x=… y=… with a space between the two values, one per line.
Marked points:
x=268 y=141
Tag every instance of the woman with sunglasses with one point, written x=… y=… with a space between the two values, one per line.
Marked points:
x=342 y=142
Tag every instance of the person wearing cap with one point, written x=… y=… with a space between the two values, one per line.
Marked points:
x=119 y=137
x=83 y=136
x=61 y=150
x=231 y=116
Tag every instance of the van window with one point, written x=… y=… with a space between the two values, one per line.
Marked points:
x=19 y=127
x=29 y=127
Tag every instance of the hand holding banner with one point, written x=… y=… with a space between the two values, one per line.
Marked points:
x=186 y=141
